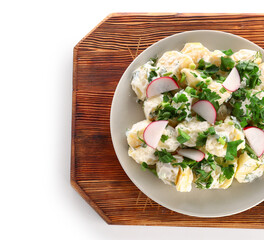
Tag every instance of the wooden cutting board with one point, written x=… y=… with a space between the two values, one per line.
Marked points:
x=100 y=59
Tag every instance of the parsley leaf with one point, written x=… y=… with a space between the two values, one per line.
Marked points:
x=228 y=171
x=231 y=150
x=180 y=98
x=228 y=52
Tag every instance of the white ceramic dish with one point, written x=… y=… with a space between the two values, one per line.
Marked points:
x=125 y=112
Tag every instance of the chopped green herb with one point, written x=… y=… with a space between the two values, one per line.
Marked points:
x=220 y=79
x=192 y=66
x=211 y=131
x=204 y=179
x=199 y=118
x=258 y=55
x=186 y=163
x=207 y=69
x=254 y=112
x=204 y=76
x=151 y=75
x=153 y=61
x=167 y=74
x=166 y=98
x=249 y=72
x=144 y=145
x=201 y=64
x=202 y=137
x=181 y=164
x=208 y=81
x=228 y=52
x=218 y=122
x=145 y=166
x=209 y=182
x=210 y=160
x=222 y=90
x=222 y=178
x=194 y=74
x=164 y=138
x=175 y=78
x=207 y=94
x=164 y=156
x=240 y=94
x=251 y=152
x=226 y=64
x=183 y=77
x=222 y=140
x=183 y=137
x=211 y=69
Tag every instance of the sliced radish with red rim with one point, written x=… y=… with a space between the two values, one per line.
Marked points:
x=232 y=82
x=153 y=132
x=161 y=85
x=206 y=110
x=193 y=154
x=255 y=137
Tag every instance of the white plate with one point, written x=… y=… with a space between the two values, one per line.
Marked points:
x=125 y=112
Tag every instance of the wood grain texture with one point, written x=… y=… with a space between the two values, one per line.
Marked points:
x=100 y=59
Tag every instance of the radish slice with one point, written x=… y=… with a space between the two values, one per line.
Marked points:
x=193 y=154
x=255 y=137
x=153 y=133
x=161 y=85
x=232 y=82
x=206 y=110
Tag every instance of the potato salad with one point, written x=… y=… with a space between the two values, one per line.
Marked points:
x=204 y=117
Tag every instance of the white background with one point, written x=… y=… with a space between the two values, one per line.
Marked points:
x=37 y=39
